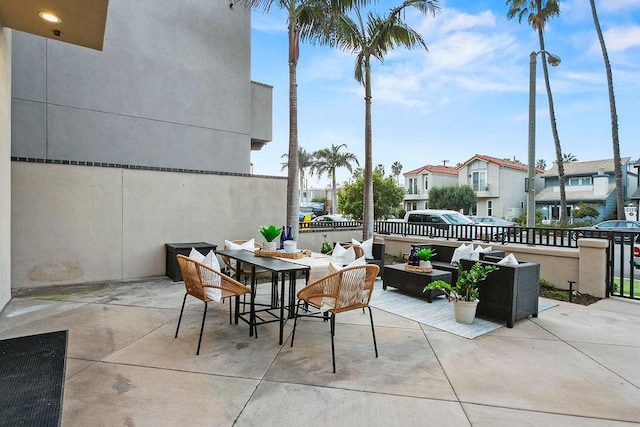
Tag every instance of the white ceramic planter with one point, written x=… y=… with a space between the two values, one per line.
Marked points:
x=465 y=311
x=270 y=246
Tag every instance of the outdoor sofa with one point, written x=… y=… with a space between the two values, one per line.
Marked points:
x=509 y=293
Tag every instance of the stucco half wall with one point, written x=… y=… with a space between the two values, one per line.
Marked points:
x=74 y=224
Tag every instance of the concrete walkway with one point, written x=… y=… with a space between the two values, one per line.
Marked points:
x=572 y=366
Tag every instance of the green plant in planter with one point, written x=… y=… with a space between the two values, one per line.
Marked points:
x=326 y=246
x=426 y=254
x=466 y=287
x=271 y=232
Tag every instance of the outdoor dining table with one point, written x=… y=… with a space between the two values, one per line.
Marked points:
x=279 y=268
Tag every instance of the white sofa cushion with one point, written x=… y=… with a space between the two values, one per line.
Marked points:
x=367 y=246
x=463 y=251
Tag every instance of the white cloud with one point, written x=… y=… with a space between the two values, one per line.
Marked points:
x=621 y=38
x=612 y=6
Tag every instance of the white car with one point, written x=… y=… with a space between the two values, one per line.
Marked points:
x=437 y=216
x=330 y=218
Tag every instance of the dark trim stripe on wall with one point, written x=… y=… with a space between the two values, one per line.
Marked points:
x=136 y=167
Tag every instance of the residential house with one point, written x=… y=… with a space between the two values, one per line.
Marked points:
x=635 y=197
x=590 y=182
x=119 y=135
x=418 y=182
x=499 y=184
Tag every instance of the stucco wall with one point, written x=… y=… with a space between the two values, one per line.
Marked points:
x=172 y=88
x=75 y=224
x=5 y=165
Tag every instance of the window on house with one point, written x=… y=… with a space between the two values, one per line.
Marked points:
x=426 y=182
x=479 y=181
x=490 y=207
x=583 y=180
x=413 y=185
x=478 y=164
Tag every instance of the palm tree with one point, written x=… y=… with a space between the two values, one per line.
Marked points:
x=538 y=12
x=307 y=21
x=614 y=115
x=541 y=164
x=305 y=161
x=569 y=158
x=330 y=159
x=375 y=38
x=396 y=170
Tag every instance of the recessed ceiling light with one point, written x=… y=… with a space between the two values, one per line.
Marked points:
x=50 y=17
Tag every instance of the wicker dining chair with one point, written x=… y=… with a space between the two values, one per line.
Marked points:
x=344 y=290
x=198 y=278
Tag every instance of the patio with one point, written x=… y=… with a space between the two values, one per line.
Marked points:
x=573 y=365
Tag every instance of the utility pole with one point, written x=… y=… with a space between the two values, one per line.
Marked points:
x=444 y=163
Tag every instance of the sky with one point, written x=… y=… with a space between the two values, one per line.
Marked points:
x=468 y=94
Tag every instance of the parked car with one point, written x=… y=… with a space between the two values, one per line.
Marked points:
x=498 y=233
x=636 y=255
x=436 y=216
x=304 y=211
x=330 y=218
x=492 y=220
x=615 y=225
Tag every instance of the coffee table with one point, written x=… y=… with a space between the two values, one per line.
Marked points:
x=412 y=282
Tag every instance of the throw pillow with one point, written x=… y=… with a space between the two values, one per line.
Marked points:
x=342 y=256
x=249 y=245
x=367 y=245
x=509 y=260
x=210 y=260
x=475 y=255
x=360 y=274
x=464 y=251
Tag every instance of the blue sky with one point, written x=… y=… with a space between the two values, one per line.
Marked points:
x=467 y=94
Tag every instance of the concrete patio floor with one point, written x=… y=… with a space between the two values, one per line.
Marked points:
x=572 y=366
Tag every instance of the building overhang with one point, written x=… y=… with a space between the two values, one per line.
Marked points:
x=83 y=22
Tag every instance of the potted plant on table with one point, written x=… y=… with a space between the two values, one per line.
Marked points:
x=425 y=256
x=270 y=233
x=464 y=293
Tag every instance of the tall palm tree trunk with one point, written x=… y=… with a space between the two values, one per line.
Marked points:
x=556 y=138
x=367 y=203
x=334 y=196
x=614 y=116
x=293 y=189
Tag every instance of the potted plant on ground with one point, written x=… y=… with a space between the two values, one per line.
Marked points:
x=464 y=293
x=270 y=233
x=425 y=256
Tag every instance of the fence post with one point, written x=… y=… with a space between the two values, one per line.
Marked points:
x=592 y=267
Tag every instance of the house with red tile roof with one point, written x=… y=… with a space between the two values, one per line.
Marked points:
x=499 y=184
x=419 y=181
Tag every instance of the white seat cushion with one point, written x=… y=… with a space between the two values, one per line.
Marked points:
x=464 y=251
x=329 y=303
x=210 y=260
x=475 y=255
x=342 y=256
x=367 y=246
x=249 y=245
x=509 y=260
